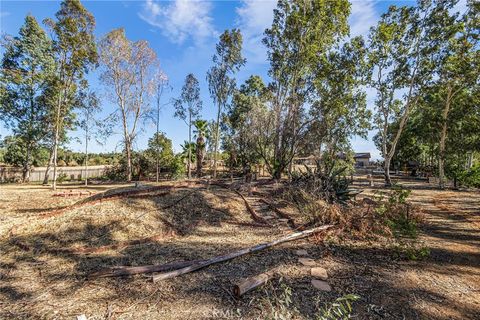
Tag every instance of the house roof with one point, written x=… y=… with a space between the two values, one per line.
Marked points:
x=362 y=155
x=341 y=155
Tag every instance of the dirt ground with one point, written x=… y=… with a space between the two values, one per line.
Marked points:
x=49 y=246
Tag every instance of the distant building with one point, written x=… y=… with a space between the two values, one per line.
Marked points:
x=362 y=159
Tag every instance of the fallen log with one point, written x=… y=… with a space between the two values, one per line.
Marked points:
x=251 y=283
x=128 y=271
x=229 y=256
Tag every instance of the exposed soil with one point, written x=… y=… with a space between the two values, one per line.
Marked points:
x=45 y=261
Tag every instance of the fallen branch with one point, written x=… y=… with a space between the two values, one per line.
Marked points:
x=252 y=211
x=229 y=256
x=280 y=213
x=128 y=271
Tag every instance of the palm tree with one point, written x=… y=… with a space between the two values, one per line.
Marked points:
x=201 y=127
x=186 y=147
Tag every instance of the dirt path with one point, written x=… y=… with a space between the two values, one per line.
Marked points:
x=444 y=285
x=452 y=272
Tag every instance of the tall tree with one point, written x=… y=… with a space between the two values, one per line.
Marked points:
x=457 y=68
x=26 y=66
x=301 y=33
x=226 y=62
x=75 y=54
x=187 y=108
x=161 y=82
x=338 y=111
x=400 y=51
x=129 y=69
x=244 y=122
x=88 y=106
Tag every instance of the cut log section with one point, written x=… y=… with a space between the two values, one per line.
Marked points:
x=251 y=283
x=232 y=255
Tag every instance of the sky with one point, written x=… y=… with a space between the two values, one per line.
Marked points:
x=183 y=33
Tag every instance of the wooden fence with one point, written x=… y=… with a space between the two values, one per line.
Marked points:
x=14 y=174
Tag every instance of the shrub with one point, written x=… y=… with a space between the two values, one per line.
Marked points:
x=177 y=168
x=471 y=177
x=62 y=177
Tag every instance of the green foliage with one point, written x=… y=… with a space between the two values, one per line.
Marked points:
x=177 y=168
x=340 y=309
x=160 y=149
x=331 y=186
x=278 y=303
x=241 y=123
x=62 y=177
x=411 y=251
x=301 y=34
x=471 y=177
x=189 y=105
x=397 y=213
x=221 y=83
x=26 y=67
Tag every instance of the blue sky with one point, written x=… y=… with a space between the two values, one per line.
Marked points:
x=183 y=33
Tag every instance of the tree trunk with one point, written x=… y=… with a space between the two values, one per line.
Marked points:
x=49 y=165
x=200 y=146
x=443 y=138
x=189 y=166
x=386 y=168
x=217 y=137
x=55 y=156
x=86 y=158
x=128 y=151
x=26 y=166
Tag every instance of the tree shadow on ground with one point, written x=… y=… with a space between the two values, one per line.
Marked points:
x=42 y=262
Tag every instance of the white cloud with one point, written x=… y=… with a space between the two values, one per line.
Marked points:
x=4 y=14
x=180 y=19
x=254 y=16
x=363 y=16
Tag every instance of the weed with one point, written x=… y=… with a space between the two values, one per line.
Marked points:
x=341 y=308
x=278 y=303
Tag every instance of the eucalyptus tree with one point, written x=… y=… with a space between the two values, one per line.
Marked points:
x=301 y=33
x=129 y=70
x=161 y=82
x=245 y=126
x=88 y=105
x=26 y=66
x=400 y=55
x=338 y=111
x=227 y=61
x=457 y=67
x=75 y=54
x=187 y=108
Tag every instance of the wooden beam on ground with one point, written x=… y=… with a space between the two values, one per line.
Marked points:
x=128 y=271
x=232 y=255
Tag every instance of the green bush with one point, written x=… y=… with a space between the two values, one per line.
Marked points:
x=471 y=177
x=177 y=168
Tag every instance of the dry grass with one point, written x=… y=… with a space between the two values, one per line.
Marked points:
x=46 y=259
